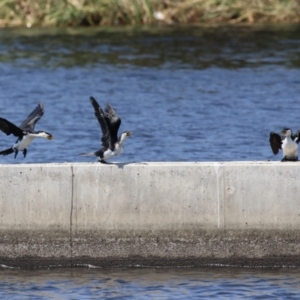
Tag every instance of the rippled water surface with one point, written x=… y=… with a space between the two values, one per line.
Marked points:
x=150 y=284
x=187 y=94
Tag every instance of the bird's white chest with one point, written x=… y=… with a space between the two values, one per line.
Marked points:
x=289 y=148
x=21 y=145
x=111 y=153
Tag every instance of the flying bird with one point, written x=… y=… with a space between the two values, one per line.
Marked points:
x=288 y=143
x=25 y=133
x=112 y=145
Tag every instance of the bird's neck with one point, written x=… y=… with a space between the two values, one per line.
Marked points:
x=122 y=139
x=39 y=134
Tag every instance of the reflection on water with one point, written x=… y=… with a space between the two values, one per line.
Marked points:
x=150 y=284
x=186 y=93
x=156 y=47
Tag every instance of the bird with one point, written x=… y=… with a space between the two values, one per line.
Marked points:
x=112 y=145
x=288 y=143
x=25 y=132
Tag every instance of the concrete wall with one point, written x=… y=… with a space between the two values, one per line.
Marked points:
x=183 y=214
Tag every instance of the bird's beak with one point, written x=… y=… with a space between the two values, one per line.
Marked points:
x=50 y=137
x=283 y=131
x=129 y=133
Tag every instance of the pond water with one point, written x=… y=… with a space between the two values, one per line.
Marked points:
x=186 y=93
x=139 y=284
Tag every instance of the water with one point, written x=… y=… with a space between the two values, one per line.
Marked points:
x=187 y=94
x=150 y=284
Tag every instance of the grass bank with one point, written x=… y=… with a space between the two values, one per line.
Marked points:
x=133 y=12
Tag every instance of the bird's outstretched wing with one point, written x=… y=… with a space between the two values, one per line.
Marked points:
x=114 y=122
x=7 y=151
x=29 y=123
x=106 y=140
x=296 y=136
x=275 y=142
x=10 y=128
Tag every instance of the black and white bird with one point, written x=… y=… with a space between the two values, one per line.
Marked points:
x=288 y=143
x=25 y=132
x=112 y=145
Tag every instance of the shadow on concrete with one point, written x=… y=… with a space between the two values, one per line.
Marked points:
x=123 y=164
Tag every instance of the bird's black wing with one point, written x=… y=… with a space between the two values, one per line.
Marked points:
x=10 y=128
x=296 y=136
x=7 y=151
x=106 y=140
x=275 y=142
x=29 y=123
x=114 y=122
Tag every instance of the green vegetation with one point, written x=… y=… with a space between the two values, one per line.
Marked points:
x=120 y=12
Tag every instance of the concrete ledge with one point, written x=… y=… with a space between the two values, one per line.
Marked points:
x=150 y=214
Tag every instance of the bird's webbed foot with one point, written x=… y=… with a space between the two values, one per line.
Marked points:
x=24 y=152
x=102 y=161
x=16 y=153
x=290 y=159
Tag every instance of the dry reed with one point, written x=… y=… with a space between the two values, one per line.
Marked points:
x=133 y=12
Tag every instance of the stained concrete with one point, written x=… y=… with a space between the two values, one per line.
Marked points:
x=150 y=214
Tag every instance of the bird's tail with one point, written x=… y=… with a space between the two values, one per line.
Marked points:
x=88 y=154
x=7 y=151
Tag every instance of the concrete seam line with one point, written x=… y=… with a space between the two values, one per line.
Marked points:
x=71 y=215
x=217 y=167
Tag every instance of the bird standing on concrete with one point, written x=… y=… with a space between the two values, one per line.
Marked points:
x=109 y=123
x=288 y=143
x=25 y=132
